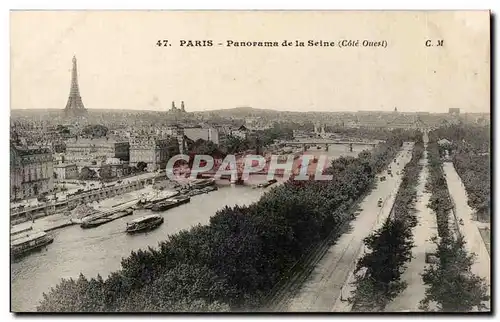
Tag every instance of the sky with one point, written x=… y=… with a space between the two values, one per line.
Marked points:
x=120 y=66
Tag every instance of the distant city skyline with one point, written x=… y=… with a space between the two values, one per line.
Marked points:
x=120 y=67
x=257 y=109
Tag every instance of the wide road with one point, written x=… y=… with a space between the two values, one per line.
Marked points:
x=469 y=229
x=323 y=287
x=426 y=228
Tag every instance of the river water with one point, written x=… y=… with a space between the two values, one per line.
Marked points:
x=100 y=250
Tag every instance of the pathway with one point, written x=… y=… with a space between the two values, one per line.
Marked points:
x=474 y=242
x=47 y=223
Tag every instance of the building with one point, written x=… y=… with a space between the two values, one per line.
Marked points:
x=241 y=132
x=300 y=134
x=252 y=121
x=444 y=142
x=175 y=131
x=204 y=133
x=110 y=168
x=223 y=133
x=65 y=171
x=454 y=111
x=90 y=149
x=31 y=172
x=176 y=110
x=404 y=121
x=155 y=152
x=482 y=121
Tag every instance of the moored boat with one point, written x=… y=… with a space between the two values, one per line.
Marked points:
x=181 y=199
x=144 y=223
x=159 y=197
x=202 y=183
x=164 y=205
x=267 y=184
x=156 y=196
x=31 y=242
x=122 y=213
x=95 y=223
x=170 y=203
x=209 y=189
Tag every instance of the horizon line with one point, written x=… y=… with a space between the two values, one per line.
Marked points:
x=233 y=108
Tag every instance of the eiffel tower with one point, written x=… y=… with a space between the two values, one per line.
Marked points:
x=74 y=107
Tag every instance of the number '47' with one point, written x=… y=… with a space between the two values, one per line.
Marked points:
x=162 y=43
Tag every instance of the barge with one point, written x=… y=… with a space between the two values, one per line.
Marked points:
x=170 y=203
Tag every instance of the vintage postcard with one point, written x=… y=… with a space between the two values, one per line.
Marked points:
x=250 y=161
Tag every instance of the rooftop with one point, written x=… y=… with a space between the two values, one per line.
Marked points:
x=64 y=165
x=97 y=141
x=29 y=150
x=144 y=218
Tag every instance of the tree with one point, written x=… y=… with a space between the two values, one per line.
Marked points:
x=95 y=131
x=89 y=296
x=87 y=174
x=236 y=260
x=126 y=169
x=204 y=147
x=440 y=201
x=62 y=129
x=389 y=249
x=105 y=172
x=451 y=284
x=141 y=166
x=42 y=197
x=16 y=191
x=173 y=147
x=378 y=272
x=235 y=144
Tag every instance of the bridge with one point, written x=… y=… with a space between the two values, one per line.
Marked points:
x=240 y=163
x=306 y=143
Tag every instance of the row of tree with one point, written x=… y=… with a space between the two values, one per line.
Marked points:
x=363 y=133
x=451 y=286
x=105 y=172
x=259 y=139
x=234 y=144
x=475 y=173
x=233 y=262
x=378 y=272
x=470 y=147
x=439 y=201
x=94 y=131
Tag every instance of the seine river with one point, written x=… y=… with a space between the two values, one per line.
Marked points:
x=100 y=250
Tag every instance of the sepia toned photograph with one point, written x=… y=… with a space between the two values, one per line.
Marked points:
x=250 y=161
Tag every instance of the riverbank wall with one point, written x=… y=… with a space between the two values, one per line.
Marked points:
x=28 y=214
